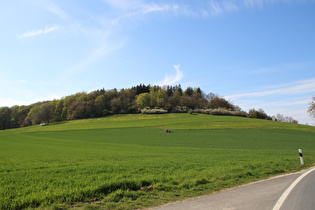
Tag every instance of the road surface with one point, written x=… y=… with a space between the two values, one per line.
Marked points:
x=261 y=195
x=302 y=195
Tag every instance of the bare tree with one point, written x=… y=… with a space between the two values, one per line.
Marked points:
x=281 y=118
x=311 y=108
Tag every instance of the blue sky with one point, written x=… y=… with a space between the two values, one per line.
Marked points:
x=255 y=53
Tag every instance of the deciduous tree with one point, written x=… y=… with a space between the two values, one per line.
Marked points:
x=5 y=115
x=311 y=107
x=144 y=100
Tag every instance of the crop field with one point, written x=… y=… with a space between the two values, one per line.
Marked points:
x=128 y=162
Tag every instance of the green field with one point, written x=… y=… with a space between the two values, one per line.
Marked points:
x=127 y=161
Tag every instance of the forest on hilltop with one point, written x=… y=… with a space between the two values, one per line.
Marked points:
x=142 y=98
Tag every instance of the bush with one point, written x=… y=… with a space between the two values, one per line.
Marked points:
x=259 y=114
x=221 y=111
x=153 y=111
x=179 y=109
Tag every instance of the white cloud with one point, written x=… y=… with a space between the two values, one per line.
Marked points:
x=124 y=4
x=263 y=3
x=294 y=107
x=290 y=99
x=144 y=9
x=139 y=7
x=215 y=8
x=51 y=6
x=171 y=80
x=254 y=3
x=284 y=68
x=229 y=5
x=58 y=11
x=219 y=7
x=147 y=8
x=106 y=48
x=38 y=32
x=297 y=87
x=22 y=81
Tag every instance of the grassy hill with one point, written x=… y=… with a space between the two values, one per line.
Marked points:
x=127 y=161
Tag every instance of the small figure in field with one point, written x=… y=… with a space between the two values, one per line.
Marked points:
x=167 y=131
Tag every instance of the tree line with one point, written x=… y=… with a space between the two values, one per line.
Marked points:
x=103 y=102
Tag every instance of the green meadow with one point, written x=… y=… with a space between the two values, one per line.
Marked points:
x=128 y=162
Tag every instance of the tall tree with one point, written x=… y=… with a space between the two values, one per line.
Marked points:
x=179 y=89
x=162 y=99
x=20 y=115
x=169 y=90
x=100 y=106
x=144 y=100
x=59 y=114
x=127 y=98
x=45 y=113
x=175 y=99
x=189 y=91
x=77 y=110
x=31 y=118
x=5 y=115
x=115 y=104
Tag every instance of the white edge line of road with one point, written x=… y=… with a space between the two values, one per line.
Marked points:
x=287 y=192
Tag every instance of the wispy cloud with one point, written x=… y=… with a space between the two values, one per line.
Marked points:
x=148 y=8
x=260 y=4
x=290 y=99
x=283 y=67
x=142 y=10
x=170 y=80
x=51 y=6
x=130 y=10
x=297 y=87
x=215 y=8
x=105 y=49
x=22 y=81
x=254 y=3
x=105 y=37
x=295 y=107
x=139 y=6
x=58 y=11
x=37 y=32
x=219 y=7
x=124 y=4
x=283 y=103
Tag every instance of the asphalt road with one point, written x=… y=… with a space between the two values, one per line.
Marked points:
x=302 y=195
x=259 y=195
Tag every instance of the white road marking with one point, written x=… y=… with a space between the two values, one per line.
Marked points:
x=287 y=192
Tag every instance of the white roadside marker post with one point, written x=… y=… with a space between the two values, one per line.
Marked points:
x=301 y=157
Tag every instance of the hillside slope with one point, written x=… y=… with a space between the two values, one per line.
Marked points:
x=127 y=161
x=174 y=121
